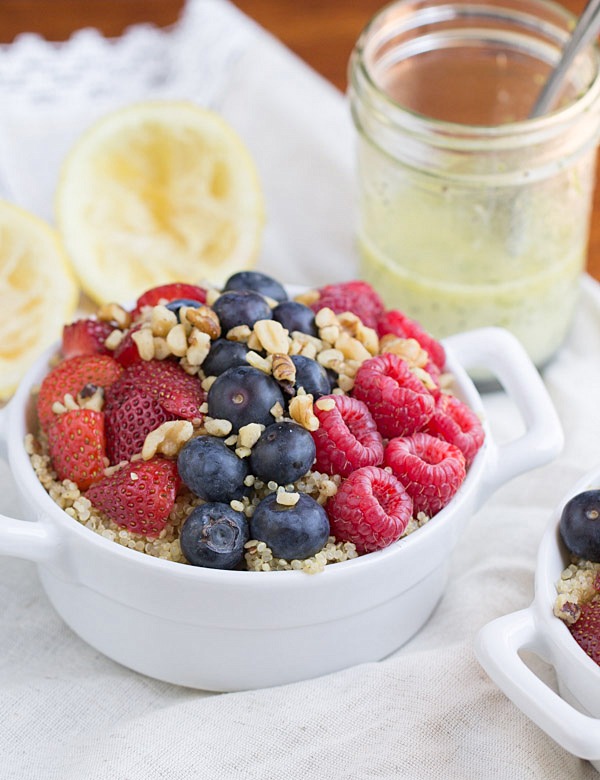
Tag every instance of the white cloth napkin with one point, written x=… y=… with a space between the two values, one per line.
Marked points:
x=428 y=711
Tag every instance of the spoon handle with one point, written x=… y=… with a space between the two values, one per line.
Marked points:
x=587 y=28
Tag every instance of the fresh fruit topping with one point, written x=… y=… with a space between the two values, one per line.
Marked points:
x=399 y=324
x=291 y=532
x=430 y=469
x=580 y=525
x=295 y=316
x=139 y=497
x=244 y=395
x=76 y=444
x=224 y=354
x=211 y=470
x=586 y=630
x=85 y=337
x=179 y=303
x=37 y=289
x=214 y=536
x=130 y=417
x=71 y=376
x=178 y=393
x=258 y=282
x=283 y=454
x=371 y=509
x=241 y=307
x=167 y=293
x=356 y=296
x=158 y=191
x=456 y=423
x=127 y=351
x=311 y=377
x=347 y=437
x=397 y=399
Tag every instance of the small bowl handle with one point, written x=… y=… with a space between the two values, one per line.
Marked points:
x=500 y=353
x=34 y=541
x=497 y=648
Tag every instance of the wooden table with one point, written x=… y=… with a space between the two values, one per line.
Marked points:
x=322 y=32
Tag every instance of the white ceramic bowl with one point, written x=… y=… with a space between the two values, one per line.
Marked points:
x=223 y=630
x=573 y=717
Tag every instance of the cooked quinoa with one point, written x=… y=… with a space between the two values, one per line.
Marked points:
x=577 y=586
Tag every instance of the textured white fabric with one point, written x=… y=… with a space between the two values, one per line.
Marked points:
x=428 y=711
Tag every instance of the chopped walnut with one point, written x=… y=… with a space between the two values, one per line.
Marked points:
x=167 y=439
x=112 y=312
x=204 y=319
x=217 y=427
x=249 y=434
x=301 y=411
x=273 y=336
x=283 y=369
x=144 y=341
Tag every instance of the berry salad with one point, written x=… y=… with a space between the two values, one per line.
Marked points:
x=236 y=428
x=578 y=600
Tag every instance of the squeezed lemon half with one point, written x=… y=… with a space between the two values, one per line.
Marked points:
x=158 y=192
x=38 y=292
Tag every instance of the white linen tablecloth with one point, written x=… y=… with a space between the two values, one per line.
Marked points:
x=428 y=711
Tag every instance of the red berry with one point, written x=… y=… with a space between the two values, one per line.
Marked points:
x=586 y=630
x=347 y=437
x=430 y=469
x=130 y=417
x=127 y=352
x=140 y=496
x=399 y=324
x=398 y=401
x=85 y=337
x=178 y=393
x=371 y=509
x=358 y=297
x=165 y=293
x=76 y=444
x=71 y=376
x=456 y=423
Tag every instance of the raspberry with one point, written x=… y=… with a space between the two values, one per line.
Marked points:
x=399 y=402
x=454 y=422
x=586 y=630
x=371 y=509
x=399 y=324
x=430 y=469
x=358 y=297
x=347 y=437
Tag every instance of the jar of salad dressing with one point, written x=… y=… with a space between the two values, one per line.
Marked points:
x=472 y=214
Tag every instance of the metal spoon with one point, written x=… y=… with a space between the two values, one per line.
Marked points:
x=587 y=28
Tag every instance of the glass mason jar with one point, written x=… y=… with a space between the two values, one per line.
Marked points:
x=471 y=213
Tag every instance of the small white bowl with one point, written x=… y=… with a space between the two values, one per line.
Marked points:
x=224 y=630
x=572 y=718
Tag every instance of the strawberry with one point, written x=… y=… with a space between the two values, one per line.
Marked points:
x=586 y=630
x=178 y=393
x=140 y=496
x=85 y=337
x=130 y=416
x=165 y=293
x=71 y=376
x=127 y=352
x=76 y=444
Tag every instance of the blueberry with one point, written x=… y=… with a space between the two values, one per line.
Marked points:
x=296 y=316
x=176 y=305
x=311 y=376
x=284 y=453
x=214 y=536
x=580 y=525
x=211 y=470
x=241 y=307
x=224 y=354
x=243 y=395
x=291 y=532
x=260 y=283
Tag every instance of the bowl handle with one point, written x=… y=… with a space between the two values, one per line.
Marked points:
x=500 y=353
x=20 y=538
x=497 y=647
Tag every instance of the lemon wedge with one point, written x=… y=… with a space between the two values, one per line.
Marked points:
x=38 y=292
x=157 y=192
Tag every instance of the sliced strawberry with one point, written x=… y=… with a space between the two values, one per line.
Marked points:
x=71 y=376
x=140 y=496
x=166 y=293
x=77 y=446
x=127 y=352
x=399 y=324
x=131 y=415
x=85 y=337
x=586 y=630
